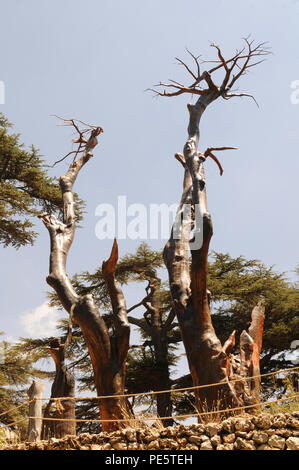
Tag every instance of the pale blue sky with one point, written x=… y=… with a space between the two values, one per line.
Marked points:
x=92 y=60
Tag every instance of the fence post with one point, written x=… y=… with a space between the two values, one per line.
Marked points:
x=35 y=410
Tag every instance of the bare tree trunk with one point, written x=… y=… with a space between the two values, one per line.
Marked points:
x=153 y=326
x=108 y=352
x=209 y=361
x=159 y=338
x=35 y=392
x=164 y=403
x=63 y=386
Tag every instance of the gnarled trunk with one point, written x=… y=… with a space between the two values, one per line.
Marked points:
x=209 y=361
x=108 y=352
x=35 y=393
x=157 y=329
x=63 y=386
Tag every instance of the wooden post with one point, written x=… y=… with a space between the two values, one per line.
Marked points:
x=35 y=410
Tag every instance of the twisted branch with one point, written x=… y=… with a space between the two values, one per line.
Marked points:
x=242 y=60
x=81 y=140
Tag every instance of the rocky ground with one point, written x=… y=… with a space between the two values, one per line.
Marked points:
x=259 y=432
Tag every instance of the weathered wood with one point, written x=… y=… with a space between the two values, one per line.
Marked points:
x=63 y=386
x=108 y=351
x=35 y=392
x=208 y=360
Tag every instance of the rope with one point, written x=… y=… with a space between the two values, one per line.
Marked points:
x=151 y=393
x=17 y=407
x=158 y=417
x=174 y=390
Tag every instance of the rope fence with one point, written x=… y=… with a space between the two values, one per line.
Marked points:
x=160 y=418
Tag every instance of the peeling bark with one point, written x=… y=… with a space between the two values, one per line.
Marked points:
x=209 y=361
x=63 y=386
x=35 y=392
x=107 y=351
x=157 y=330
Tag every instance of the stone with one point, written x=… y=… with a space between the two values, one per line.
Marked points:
x=279 y=421
x=191 y=447
x=206 y=445
x=276 y=442
x=292 y=422
x=243 y=425
x=96 y=447
x=169 y=444
x=228 y=425
x=182 y=442
x=195 y=439
x=197 y=428
x=228 y=438
x=130 y=434
x=226 y=446
x=292 y=443
x=264 y=447
x=260 y=437
x=243 y=444
x=242 y=434
x=262 y=421
x=170 y=432
x=212 y=429
x=216 y=441
x=154 y=445
x=284 y=432
x=133 y=445
x=119 y=445
x=151 y=436
x=106 y=446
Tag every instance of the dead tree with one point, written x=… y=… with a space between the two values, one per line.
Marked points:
x=209 y=361
x=154 y=326
x=108 y=350
x=63 y=386
x=35 y=393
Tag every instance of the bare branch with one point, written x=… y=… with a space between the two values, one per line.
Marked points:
x=208 y=153
x=186 y=67
x=240 y=62
x=180 y=158
x=82 y=142
x=228 y=96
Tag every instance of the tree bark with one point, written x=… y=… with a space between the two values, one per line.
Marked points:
x=160 y=343
x=35 y=392
x=209 y=361
x=108 y=352
x=63 y=386
x=153 y=326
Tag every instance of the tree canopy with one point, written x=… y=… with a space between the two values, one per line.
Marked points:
x=17 y=369
x=26 y=189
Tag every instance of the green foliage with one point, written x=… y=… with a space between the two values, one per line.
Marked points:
x=26 y=190
x=236 y=285
x=16 y=373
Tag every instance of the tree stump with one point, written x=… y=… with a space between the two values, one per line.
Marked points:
x=35 y=392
